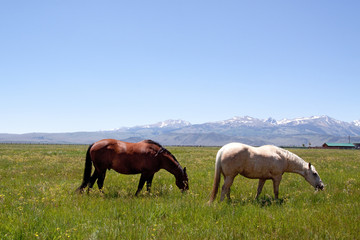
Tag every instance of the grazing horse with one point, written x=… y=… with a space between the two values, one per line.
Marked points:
x=266 y=162
x=145 y=157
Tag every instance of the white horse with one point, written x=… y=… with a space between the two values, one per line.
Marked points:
x=266 y=162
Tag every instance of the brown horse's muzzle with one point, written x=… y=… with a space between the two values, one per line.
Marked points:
x=186 y=186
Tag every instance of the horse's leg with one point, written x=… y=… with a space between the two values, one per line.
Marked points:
x=228 y=193
x=226 y=187
x=260 y=187
x=93 y=178
x=148 y=182
x=141 y=183
x=276 y=183
x=100 y=181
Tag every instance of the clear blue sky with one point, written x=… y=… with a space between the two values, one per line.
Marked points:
x=94 y=65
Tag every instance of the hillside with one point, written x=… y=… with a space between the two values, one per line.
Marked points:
x=286 y=132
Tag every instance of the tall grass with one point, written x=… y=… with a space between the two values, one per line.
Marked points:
x=38 y=200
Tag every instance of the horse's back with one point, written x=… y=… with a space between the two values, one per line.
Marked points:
x=233 y=157
x=104 y=151
x=109 y=146
x=234 y=148
x=119 y=147
x=123 y=157
x=251 y=162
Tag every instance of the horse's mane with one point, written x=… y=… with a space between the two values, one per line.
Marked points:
x=290 y=156
x=152 y=142
x=162 y=149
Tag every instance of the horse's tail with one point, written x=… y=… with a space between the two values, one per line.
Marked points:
x=217 y=176
x=87 y=171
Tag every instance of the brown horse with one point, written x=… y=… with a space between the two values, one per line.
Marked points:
x=145 y=157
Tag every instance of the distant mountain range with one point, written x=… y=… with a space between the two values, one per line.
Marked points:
x=313 y=131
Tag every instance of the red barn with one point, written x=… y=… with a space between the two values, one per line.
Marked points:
x=339 y=145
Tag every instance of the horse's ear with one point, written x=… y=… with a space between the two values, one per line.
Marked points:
x=185 y=170
x=309 y=165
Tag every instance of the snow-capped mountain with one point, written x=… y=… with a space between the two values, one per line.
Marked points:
x=356 y=123
x=261 y=131
x=289 y=132
x=314 y=121
x=322 y=120
x=255 y=122
x=242 y=121
x=250 y=121
x=168 y=124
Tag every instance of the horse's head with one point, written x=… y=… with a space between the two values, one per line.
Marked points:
x=313 y=178
x=183 y=182
x=173 y=166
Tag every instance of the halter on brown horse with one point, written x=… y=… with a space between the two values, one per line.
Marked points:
x=146 y=157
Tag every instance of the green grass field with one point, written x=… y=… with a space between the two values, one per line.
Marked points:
x=38 y=200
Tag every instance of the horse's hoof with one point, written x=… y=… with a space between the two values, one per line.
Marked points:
x=79 y=190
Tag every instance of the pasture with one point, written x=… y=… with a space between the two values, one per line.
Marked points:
x=38 y=199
